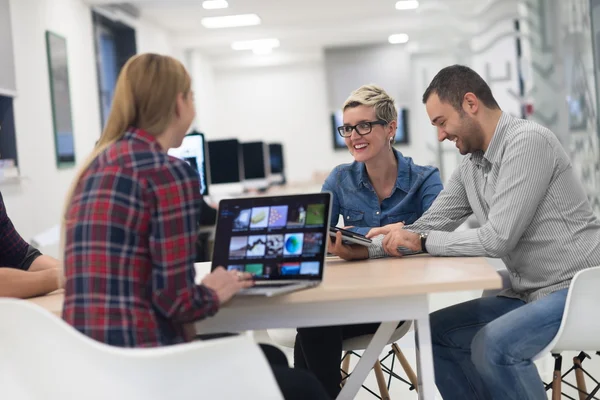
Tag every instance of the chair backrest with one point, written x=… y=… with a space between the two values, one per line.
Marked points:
x=42 y=357
x=580 y=328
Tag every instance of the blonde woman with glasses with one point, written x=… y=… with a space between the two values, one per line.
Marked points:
x=131 y=221
x=380 y=187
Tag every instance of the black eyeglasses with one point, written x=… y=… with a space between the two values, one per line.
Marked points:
x=363 y=128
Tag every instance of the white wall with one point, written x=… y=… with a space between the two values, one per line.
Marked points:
x=204 y=91
x=385 y=65
x=286 y=104
x=425 y=146
x=36 y=203
x=495 y=59
x=289 y=103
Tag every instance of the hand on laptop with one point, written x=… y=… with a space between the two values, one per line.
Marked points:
x=226 y=284
x=384 y=230
x=344 y=251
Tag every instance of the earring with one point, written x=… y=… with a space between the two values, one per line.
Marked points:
x=390 y=143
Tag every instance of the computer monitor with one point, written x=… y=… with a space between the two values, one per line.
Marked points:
x=402 y=130
x=193 y=151
x=401 y=137
x=337 y=120
x=277 y=164
x=226 y=166
x=257 y=165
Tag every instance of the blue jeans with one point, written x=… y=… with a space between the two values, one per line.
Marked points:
x=483 y=348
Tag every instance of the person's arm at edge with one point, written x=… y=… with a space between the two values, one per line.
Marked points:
x=44 y=262
x=36 y=275
x=21 y=284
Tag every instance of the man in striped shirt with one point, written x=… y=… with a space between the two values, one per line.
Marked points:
x=534 y=215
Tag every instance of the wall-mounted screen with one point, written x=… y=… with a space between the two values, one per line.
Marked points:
x=402 y=132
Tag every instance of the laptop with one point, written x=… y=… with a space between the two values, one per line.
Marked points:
x=280 y=240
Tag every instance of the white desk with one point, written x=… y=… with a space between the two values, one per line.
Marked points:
x=388 y=290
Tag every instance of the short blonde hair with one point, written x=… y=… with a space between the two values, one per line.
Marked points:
x=373 y=96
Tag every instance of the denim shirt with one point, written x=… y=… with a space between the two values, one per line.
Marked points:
x=355 y=199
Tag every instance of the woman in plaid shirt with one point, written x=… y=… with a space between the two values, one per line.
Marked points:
x=131 y=222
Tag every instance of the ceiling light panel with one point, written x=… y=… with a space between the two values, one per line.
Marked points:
x=230 y=21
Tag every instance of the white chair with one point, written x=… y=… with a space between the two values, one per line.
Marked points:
x=579 y=330
x=42 y=357
x=287 y=338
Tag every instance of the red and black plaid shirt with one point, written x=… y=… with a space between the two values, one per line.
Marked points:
x=130 y=247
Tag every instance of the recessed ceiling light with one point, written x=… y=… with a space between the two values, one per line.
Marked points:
x=262 y=50
x=398 y=38
x=215 y=4
x=407 y=5
x=255 y=44
x=230 y=21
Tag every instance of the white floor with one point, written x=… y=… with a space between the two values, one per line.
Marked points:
x=399 y=390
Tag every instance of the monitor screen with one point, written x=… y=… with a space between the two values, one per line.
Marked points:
x=226 y=161
x=192 y=151
x=255 y=157
x=337 y=119
x=273 y=237
x=276 y=156
x=402 y=130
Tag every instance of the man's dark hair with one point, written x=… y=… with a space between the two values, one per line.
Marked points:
x=453 y=82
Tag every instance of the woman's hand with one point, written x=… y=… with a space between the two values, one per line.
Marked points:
x=227 y=283
x=344 y=251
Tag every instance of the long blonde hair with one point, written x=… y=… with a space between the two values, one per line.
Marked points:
x=145 y=98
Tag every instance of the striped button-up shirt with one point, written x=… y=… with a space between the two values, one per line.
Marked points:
x=532 y=208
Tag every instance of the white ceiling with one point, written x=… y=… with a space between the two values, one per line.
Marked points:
x=311 y=25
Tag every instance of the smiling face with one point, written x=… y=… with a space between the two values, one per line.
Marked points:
x=460 y=127
x=367 y=147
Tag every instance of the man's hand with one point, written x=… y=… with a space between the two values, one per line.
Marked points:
x=401 y=238
x=385 y=230
x=344 y=251
x=227 y=283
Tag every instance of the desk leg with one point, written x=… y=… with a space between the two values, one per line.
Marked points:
x=370 y=355
x=425 y=372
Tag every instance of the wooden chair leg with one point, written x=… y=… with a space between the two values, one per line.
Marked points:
x=412 y=377
x=580 y=378
x=557 y=378
x=383 y=391
x=346 y=367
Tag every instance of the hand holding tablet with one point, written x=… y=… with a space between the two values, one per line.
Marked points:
x=349 y=237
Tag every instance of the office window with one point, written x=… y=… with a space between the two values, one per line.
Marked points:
x=115 y=43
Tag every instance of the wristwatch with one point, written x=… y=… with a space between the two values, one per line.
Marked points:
x=423 y=237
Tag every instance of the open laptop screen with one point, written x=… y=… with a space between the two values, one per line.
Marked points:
x=274 y=238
